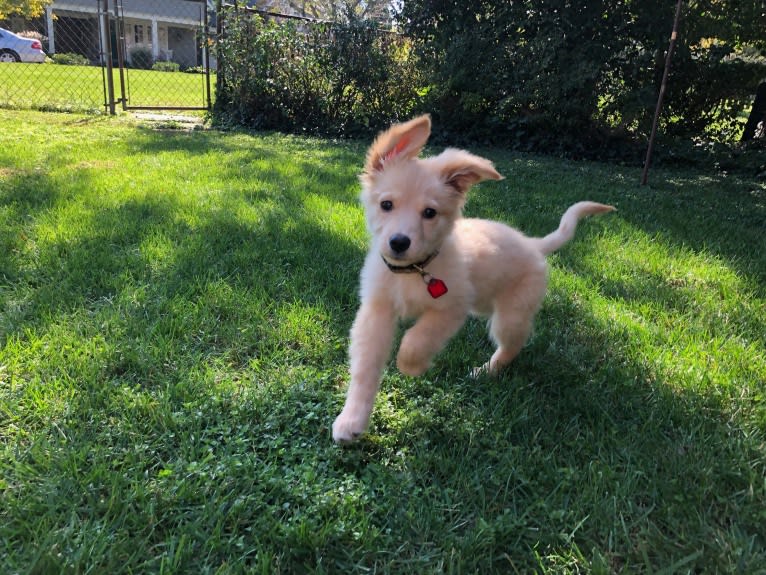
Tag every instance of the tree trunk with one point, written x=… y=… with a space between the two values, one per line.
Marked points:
x=757 y=114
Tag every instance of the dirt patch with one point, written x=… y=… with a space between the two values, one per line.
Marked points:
x=170 y=121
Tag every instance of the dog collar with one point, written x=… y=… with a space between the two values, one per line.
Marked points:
x=412 y=268
x=436 y=287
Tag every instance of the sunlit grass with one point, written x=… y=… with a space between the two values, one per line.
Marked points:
x=82 y=88
x=174 y=311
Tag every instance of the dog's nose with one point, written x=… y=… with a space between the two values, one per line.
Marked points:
x=399 y=243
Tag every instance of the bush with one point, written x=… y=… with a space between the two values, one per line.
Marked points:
x=574 y=77
x=166 y=66
x=70 y=59
x=332 y=79
x=39 y=36
x=141 y=57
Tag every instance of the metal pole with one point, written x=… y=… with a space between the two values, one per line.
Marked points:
x=206 y=54
x=107 y=34
x=218 y=55
x=663 y=85
x=120 y=35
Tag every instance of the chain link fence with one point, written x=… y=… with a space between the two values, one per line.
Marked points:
x=98 y=55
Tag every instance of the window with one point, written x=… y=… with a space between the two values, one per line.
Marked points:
x=138 y=34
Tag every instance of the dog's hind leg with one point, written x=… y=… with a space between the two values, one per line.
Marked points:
x=512 y=321
x=371 y=338
x=510 y=340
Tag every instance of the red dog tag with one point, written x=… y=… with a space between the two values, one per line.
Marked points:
x=437 y=288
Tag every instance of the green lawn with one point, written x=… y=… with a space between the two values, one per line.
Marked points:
x=174 y=310
x=81 y=88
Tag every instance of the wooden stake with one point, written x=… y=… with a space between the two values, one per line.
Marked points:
x=665 y=72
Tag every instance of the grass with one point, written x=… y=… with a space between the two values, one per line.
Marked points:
x=81 y=88
x=174 y=310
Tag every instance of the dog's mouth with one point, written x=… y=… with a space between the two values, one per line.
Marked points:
x=397 y=258
x=403 y=263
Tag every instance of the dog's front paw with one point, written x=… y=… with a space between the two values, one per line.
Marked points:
x=347 y=427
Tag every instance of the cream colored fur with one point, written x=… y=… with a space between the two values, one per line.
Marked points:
x=489 y=268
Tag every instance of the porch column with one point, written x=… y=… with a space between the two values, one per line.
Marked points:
x=155 y=39
x=51 y=33
x=103 y=30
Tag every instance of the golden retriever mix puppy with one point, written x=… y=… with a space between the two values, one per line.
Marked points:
x=427 y=262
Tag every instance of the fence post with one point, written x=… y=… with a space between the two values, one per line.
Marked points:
x=219 y=71
x=206 y=55
x=107 y=35
x=119 y=35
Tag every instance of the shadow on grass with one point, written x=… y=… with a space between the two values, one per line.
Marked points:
x=202 y=434
x=582 y=450
x=707 y=213
x=143 y=259
x=330 y=166
x=586 y=448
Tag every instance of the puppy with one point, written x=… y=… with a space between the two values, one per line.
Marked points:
x=426 y=262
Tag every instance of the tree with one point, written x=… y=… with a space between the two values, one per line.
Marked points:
x=532 y=65
x=331 y=10
x=757 y=114
x=564 y=71
x=26 y=8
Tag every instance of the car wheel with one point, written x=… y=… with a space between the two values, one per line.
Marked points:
x=9 y=56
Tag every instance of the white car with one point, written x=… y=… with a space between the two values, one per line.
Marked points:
x=14 y=48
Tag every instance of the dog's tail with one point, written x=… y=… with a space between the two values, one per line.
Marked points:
x=568 y=225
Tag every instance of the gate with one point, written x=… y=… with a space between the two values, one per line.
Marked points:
x=132 y=54
x=161 y=49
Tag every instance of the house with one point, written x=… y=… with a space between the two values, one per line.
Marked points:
x=171 y=29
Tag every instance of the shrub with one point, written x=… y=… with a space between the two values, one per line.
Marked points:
x=573 y=76
x=141 y=57
x=70 y=59
x=34 y=34
x=39 y=36
x=166 y=66
x=333 y=79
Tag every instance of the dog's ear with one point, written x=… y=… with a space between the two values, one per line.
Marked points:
x=460 y=169
x=399 y=141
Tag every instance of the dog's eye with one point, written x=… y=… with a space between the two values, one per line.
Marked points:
x=429 y=213
x=386 y=205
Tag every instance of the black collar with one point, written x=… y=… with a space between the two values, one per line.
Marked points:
x=412 y=268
